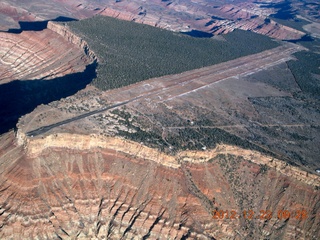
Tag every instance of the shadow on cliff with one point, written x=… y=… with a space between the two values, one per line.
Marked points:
x=18 y=98
x=37 y=25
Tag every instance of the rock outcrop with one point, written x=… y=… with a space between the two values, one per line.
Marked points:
x=63 y=185
x=223 y=18
x=35 y=147
x=233 y=17
x=38 y=55
x=72 y=186
x=10 y=15
x=69 y=36
x=208 y=16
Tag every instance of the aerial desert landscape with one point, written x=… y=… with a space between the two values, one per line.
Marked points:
x=161 y=119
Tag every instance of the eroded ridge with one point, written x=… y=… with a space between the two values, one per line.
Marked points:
x=35 y=147
x=38 y=55
x=75 y=186
x=212 y=17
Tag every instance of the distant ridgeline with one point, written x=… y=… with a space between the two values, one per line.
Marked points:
x=129 y=52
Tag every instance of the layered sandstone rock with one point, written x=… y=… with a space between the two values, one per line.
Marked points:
x=69 y=36
x=35 y=147
x=81 y=186
x=10 y=15
x=73 y=186
x=235 y=17
x=39 y=55
x=224 y=18
x=209 y=16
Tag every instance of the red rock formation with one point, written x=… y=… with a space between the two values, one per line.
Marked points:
x=239 y=18
x=93 y=192
x=34 y=55
x=13 y=15
x=230 y=17
x=81 y=186
x=177 y=16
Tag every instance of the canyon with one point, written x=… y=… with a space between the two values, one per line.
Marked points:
x=104 y=188
x=40 y=67
x=214 y=17
x=160 y=158
x=38 y=55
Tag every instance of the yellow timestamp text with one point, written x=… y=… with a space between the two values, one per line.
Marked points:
x=262 y=214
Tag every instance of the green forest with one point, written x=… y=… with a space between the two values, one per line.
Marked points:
x=129 y=52
x=306 y=71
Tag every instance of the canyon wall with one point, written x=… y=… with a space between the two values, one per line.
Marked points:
x=209 y=16
x=39 y=55
x=66 y=33
x=35 y=147
x=75 y=186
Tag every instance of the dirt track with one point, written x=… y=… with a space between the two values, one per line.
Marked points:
x=168 y=87
x=172 y=86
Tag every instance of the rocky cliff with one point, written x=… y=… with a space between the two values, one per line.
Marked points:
x=210 y=16
x=39 y=55
x=89 y=186
x=69 y=36
x=35 y=147
x=75 y=186
x=205 y=16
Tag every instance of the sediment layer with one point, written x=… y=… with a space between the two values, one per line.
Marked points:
x=35 y=147
x=39 y=55
x=71 y=186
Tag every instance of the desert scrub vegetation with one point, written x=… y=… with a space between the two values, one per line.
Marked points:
x=197 y=139
x=129 y=52
x=185 y=139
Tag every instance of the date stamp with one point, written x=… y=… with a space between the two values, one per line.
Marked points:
x=261 y=215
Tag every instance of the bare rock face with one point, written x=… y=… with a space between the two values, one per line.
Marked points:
x=239 y=17
x=214 y=17
x=223 y=18
x=70 y=37
x=112 y=188
x=10 y=15
x=38 y=55
x=81 y=181
x=14 y=11
x=30 y=57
